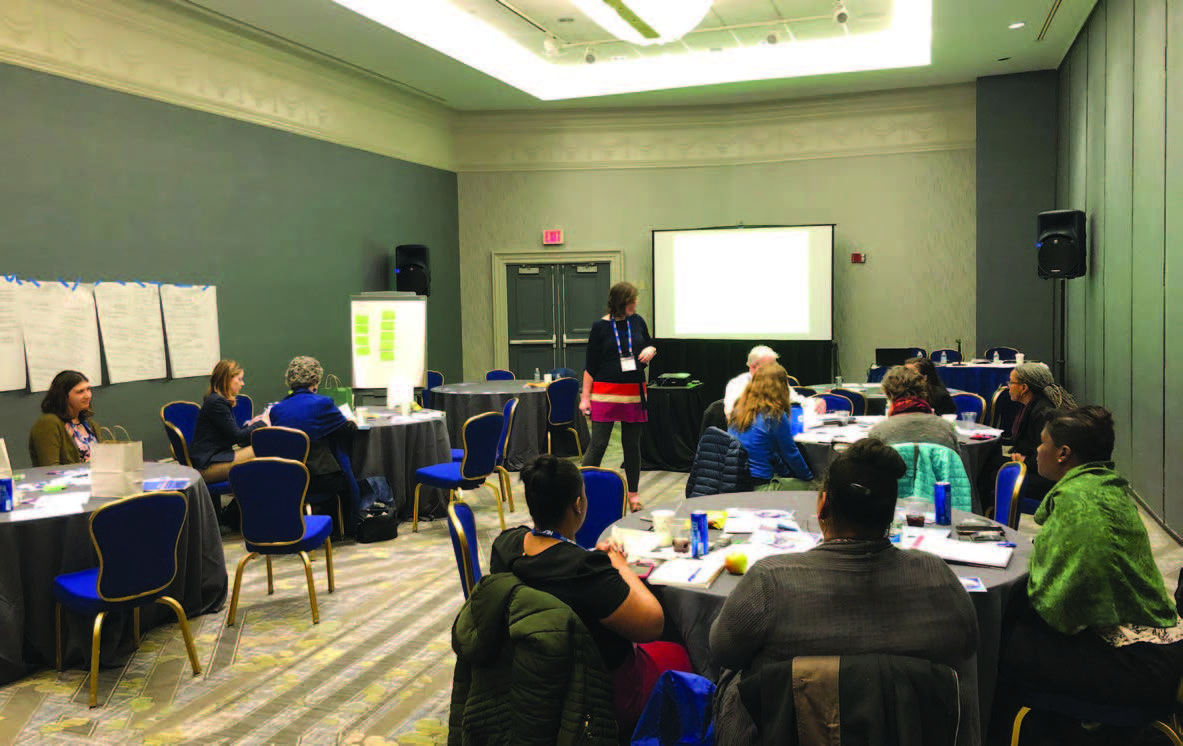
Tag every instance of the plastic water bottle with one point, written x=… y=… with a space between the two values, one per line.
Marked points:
x=7 y=495
x=537 y=375
x=796 y=420
x=997 y=359
x=944 y=358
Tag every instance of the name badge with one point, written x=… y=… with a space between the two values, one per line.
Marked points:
x=628 y=363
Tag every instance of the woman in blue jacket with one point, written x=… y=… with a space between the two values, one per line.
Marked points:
x=760 y=421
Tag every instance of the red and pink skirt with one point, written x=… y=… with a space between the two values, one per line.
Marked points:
x=618 y=402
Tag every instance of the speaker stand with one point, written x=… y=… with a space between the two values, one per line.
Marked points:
x=1060 y=332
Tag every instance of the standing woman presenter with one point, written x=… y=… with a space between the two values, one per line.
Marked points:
x=618 y=349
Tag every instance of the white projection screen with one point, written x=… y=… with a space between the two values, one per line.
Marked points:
x=767 y=283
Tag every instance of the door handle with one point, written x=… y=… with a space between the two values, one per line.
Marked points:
x=550 y=341
x=569 y=341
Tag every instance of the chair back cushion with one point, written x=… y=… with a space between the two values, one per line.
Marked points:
x=1008 y=490
x=499 y=374
x=857 y=400
x=720 y=465
x=177 y=443
x=280 y=442
x=244 y=409
x=713 y=416
x=561 y=397
x=837 y=402
x=136 y=540
x=481 y=434
x=434 y=378
x=182 y=414
x=607 y=496
x=270 y=495
x=1005 y=354
x=563 y=373
x=462 y=527
x=966 y=401
x=929 y=463
x=951 y=355
x=678 y=711
x=511 y=408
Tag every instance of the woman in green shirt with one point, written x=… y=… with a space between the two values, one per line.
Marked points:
x=66 y=430
x=1098 y=624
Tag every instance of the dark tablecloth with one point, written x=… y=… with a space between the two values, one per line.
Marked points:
x=33 y=552
x=459 y=401
x=669 y=440
x=982 y=380
x=691 y=611
x=394 y=447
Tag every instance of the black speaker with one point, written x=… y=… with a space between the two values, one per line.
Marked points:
x=412 y=269
x=1062 y=248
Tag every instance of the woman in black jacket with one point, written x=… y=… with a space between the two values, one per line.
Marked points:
x=217 y=432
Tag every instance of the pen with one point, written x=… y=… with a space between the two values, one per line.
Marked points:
x=693 y=575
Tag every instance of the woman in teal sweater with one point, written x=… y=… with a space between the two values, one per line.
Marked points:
x=1099 y=625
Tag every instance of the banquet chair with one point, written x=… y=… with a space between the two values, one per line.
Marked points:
x=270 y=493
x=967 y=401
x=607 y=503
x=805 y=391
x=713 y=416
x=951 y=355
x=929 y=463
x=858 y=402
x=480 y=434
x=500 y=374
x=1002 y=410
x=136 y=541
x=1005 y=354
x=562 y=397
x=434 y=378
x=720 y=465
x=1008 y=491
x=1098 y=714
x=836 y=402
x=793 y=381
x=180 y=422
x=244 y=409
x=292 y=444
x=557 y=373
x=462 y=527
x=917 y=352
x=511 y=408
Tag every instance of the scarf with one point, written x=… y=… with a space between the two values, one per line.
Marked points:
x=907 y=404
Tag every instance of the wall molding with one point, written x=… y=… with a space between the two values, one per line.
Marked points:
x=908 y=121
x=182 y=56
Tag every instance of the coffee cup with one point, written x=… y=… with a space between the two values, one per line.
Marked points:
x=662 y=524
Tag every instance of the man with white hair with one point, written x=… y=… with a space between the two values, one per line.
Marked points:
x=758 y=356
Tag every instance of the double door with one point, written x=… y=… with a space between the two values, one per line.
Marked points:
x=550 y=310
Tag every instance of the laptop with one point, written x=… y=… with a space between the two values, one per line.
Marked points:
x=885 y=357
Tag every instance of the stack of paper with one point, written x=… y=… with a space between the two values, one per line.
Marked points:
x=982 y=554
x=689 y=573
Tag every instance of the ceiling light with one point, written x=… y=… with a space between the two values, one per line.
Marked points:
x=841 y=14
x=646 y=22
x=1017 y=24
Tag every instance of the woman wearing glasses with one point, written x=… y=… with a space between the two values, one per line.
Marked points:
x=1032 y=385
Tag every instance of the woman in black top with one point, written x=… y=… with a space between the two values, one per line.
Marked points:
x=615 y=606
x=1032 y=385
x=938 y=396
x=217 y=432
x=618 y=349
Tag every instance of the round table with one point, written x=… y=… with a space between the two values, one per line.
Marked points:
x=393 y=446
x=459 y=401
x=819 y=448
x=39 y=543
x=691 y=611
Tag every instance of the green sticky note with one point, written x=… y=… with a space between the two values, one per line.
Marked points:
x=361 y=322
x=387 y=356
x=363 y=351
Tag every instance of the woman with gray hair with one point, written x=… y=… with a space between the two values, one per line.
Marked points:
x=327 y=430
x=1032 y=385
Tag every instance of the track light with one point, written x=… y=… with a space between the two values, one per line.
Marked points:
x=841 y=14
x=771 y=38
x=590 y=57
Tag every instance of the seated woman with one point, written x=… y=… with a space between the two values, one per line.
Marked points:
x=760 y=421
x=1098 y=624
x=855 y=592
x=66 y=430
x=910 y=418
x=937 y=395
x=613 y=603
x=217 y=432
x=326 y=427
x=1032 y=385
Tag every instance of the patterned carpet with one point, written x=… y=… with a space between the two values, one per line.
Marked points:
x=376 y=670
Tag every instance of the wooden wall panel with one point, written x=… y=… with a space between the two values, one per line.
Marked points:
x=1173 y=227
x=1094 y=294
x=1074 y=131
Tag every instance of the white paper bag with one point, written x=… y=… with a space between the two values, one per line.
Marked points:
x=5 y=464
x=116 y=469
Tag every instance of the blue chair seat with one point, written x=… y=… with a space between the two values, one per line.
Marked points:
x=446 y=477
x=457 y=454
x=79 y=592
x=317 y=529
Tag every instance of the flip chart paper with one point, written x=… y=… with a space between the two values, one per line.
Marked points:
x=191 y=323
x=60 y=330
x=133 y=336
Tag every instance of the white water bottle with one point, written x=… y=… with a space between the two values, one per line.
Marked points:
x=537 y=375
x=944 y=358
x=997 y=359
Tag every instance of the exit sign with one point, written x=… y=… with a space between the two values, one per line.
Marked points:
x=552 y=237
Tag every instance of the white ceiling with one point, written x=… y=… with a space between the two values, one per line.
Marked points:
x=969 y=39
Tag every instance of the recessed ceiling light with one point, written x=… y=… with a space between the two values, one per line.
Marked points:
x=566 y=19
x=1017 y=24
x=1003 y=59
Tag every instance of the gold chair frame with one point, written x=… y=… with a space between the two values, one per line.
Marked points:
x=454 y=494
x=468 y=579
x=503 y=473
x=303 y=557
x=168 y=601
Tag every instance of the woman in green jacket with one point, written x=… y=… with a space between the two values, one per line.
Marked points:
x=1098 y=624
x=66 y=431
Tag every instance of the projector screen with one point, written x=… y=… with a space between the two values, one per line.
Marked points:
x=743 y=283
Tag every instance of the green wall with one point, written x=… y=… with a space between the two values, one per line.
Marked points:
x=101 y=185
x=1121 y=160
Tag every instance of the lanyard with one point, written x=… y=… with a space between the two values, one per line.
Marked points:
x=552 y=534
x=628 y=326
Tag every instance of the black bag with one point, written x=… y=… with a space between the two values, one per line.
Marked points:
x=379 y=523
x=374 y=492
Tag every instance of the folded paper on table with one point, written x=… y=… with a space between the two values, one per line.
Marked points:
x=958 y=552
x=116 y=469
x=689 y=573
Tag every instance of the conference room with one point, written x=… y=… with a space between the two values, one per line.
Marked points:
x=280 y=152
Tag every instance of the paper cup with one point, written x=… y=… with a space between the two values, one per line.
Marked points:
x=662 y=526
